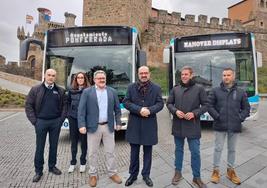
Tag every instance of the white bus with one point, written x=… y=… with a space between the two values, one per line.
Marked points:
x=114 y=49
x=209 y=54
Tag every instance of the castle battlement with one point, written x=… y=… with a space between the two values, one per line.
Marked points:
x=174 y=18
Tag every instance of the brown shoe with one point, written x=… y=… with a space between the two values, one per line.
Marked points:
x=231 y=175
x=115 y=178
x=199 y=183
x=177 y=177
x=215 y=177
x=93 y=181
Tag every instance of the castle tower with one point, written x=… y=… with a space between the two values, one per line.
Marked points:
x=69 y=19
x=117 y=12
x=252 y=13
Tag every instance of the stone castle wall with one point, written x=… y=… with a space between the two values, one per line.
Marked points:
x=165 y=26
x=121 y=12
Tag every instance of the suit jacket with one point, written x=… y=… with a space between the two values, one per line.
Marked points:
x=88 y=110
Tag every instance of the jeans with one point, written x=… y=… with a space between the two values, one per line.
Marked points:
x=231 y=147
x=194 y=147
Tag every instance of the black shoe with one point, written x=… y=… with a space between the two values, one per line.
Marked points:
x=148 y=181
x=130 y=180
x=37 y=177
x=55 y=171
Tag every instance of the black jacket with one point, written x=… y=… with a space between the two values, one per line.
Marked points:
x=34 y=101
x=187 y=99
x=73 y=102
x=229 y=108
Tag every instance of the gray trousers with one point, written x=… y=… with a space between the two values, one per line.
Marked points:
x=231 y=148
x=94 y=140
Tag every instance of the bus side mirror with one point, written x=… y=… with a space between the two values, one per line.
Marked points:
x=259 y=59
x=25 y=45
x=141 y=55
x=166 y=55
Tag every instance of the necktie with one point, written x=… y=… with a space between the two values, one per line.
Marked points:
x=49 y=87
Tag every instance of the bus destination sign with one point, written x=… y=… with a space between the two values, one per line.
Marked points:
x=213 y=42
x=93 y=37
x=89 y=36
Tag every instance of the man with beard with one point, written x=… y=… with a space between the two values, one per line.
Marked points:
x=144 y=101
x=187 y=101
x=229 y=107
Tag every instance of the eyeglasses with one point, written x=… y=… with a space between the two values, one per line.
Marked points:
x=103 y=78
x=80 y=77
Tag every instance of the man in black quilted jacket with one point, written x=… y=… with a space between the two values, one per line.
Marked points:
x=229 y=107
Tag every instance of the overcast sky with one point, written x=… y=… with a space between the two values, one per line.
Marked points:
x=13 y=14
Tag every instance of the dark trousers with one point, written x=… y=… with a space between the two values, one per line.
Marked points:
x=43 y=127
x=147 y=160
x=75 y=136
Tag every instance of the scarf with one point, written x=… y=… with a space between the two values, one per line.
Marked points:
x=143 y=87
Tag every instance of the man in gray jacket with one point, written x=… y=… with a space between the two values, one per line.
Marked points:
x=229 y=107
x=187 y=101
x=98 y=111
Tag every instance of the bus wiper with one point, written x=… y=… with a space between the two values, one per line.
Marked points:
x=198 y=79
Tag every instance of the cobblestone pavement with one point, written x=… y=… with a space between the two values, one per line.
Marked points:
x=17 y=145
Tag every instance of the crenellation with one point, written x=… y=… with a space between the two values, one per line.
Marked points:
x=214 y=22
x=189 y=19
x=162 y=16
x=202 y=20
x=226 y=23
x=176 y=17
x=156 y=27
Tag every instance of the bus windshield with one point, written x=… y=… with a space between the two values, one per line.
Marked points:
x=208 y=67
x=116 y=61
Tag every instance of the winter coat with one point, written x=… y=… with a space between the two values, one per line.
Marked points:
x=229 y=108
x=187 y=99
x=143 y=130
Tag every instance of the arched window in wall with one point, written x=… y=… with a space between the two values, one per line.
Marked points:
x=33 y=63
x=262 y=3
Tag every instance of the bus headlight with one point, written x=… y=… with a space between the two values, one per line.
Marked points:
x=124 y=116
x=253 y=108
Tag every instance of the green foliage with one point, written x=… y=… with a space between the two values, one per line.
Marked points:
x=10 y=99
x=262 y=79
x=159 y=76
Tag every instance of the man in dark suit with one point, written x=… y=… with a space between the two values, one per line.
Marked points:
x=143 y=100
x=99 y=109
x=46 y=109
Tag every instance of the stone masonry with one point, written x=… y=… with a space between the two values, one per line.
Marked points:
x=161 y=26
x=164 y=26
x=156 y=27
x=119 y=12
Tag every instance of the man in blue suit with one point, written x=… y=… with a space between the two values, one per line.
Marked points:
x=99 y=109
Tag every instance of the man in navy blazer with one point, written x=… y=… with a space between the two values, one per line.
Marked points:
x=99 y=110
